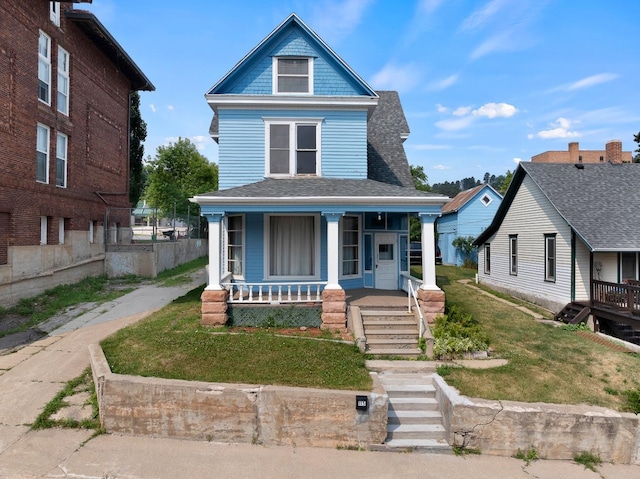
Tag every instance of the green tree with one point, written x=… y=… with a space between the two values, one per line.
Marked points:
x=502 y=188
x=178 y=173
x=137 y=135
x=420 y=179
x=636 y=138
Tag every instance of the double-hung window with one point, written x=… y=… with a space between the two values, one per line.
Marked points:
x=61 y=160
x=235 y=243
x=63 y=81
x=44 y=68
x=513 y=255
x=292 y=75
x=487 y=258
x=54 y=13
x=293 y=147
x=350 y=245
x=550 y=257
x=42 y=154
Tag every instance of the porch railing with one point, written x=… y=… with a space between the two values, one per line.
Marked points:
x=624 y=297
x=266 y=293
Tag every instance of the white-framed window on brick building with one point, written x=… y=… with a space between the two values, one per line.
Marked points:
x=513 y=255
x=54 y=13
x=60 y=230
x=44 y=68
x=292 y=147
x=62 y=143
x=550 y=257
x=63 y=81
x=292 y=75
x=44 y=229
x=42 y=154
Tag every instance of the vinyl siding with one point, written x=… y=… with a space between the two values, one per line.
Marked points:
x=241 y=150
x=582 y=268
x=531 y=216
x=447 y=232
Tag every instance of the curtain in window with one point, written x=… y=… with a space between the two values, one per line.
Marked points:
x=292 y=246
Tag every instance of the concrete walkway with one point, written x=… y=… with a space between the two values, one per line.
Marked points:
x=30 y=377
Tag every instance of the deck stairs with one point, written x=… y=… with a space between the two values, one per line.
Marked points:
x=391 y=332
x=414 y=421
x=573 y=313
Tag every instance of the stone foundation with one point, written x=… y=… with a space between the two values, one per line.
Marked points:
x=334 y=309
x=214 y=307
x=431 y=303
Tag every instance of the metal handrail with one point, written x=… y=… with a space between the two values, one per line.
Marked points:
x=412 y=294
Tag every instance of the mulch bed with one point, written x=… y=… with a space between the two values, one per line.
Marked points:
x=609 y=343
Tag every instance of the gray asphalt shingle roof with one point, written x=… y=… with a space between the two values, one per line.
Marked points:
x=601 y=202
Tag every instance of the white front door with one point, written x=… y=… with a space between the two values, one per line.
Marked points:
x=386 y=261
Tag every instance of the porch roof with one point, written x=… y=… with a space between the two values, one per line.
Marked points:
x=318 y=190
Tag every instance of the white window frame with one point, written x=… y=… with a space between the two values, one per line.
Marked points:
x=358 y=245
x=44 y=60
x=64 y=82
x=242 y=244
x=267 y=255
x=293 y=123
x=54 y=13
x=550 y=258
x=91 y=232
x=276 y=75
x=513 y=255
x=60 y=230
x=61 y=158
x=43 y=150
x=487 y=258
x=44 y=226
x=486 y=199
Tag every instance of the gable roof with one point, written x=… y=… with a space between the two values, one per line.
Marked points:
x=598 y=201
x=270 y=40
x=95 y=31
x=465 y=197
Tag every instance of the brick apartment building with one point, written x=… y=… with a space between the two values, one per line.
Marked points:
x=612 y=153
x=65 y=86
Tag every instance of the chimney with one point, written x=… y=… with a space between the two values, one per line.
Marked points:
x=613 y=152
x=574 y=149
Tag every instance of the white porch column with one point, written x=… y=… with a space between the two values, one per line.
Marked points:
x=215 y=229
x=428 y=251
x=333 y=250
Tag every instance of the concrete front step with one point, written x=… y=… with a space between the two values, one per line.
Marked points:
x=415 y=445
x=396 y=352
x=392 y=333
x=416 y=431
x=414 y=417
x=408 y=380
x=414 y=404
x=385 y=325
x=409 y=390
x=388 y=343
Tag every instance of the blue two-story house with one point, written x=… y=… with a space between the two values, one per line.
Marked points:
x=315 y=188
x=468 y=214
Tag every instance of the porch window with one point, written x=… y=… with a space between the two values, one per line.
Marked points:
x=550 y=257
x=404 y=253
x=42 y=154
x=513 y=255
x=487 y=258
x=293 y=148
x=292 y=246
x=350 y=245
x=292 y=75
x=628 y=266
x=235 y=244
x=44 y=68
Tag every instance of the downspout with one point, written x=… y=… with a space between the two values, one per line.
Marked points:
x=573 y=266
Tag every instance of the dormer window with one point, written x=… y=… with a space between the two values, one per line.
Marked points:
x=292 y=75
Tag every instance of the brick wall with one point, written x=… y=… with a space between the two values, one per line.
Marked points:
x=612 y=152
x=97 y=128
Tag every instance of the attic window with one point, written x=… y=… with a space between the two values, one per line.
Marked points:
x=486 y=200
x=292 y=75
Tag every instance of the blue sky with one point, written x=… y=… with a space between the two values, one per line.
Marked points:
x=483 y=83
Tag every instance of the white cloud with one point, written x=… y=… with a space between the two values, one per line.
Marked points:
x=496 y=110
x=153 y=107
x=396 y=77
x=455 y=124
x=441 y=108
x=482 y=16
x=441 y=167
x=200 y=141
x=336 y=20
x=461 y=111
x=517 y=160
x=170 y=107
x=442 y=84
x=592 y=81
x=428 y=147
x=561 y=128
x=429 y=6
x=500 y=42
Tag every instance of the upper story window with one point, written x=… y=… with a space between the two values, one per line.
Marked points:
x=44 y=68
x=61 y=160
x=292 y=75
x=42 y=154
x=293 y=147
x=63 y=81
x=54 y=12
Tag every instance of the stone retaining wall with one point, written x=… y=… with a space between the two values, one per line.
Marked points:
x=556 y=431
x=272 y=415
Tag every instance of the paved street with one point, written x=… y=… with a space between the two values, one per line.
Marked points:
x=31 y=376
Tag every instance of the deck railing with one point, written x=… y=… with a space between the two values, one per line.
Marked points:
x=266 y=293
x=624 y=297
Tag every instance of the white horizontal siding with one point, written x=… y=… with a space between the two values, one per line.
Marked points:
x=583 y=268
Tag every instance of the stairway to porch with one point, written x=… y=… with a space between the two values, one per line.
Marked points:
x=391 y=333
x=573 y=313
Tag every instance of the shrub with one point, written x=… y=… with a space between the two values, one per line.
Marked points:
x=457 y=333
